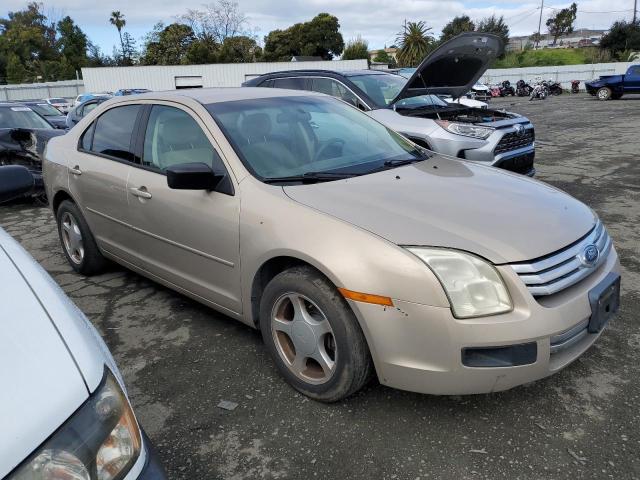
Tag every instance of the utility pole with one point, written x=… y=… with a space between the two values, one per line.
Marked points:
x=540 y=24
x=635 y=10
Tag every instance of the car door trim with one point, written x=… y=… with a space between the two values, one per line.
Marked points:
x=166 y=240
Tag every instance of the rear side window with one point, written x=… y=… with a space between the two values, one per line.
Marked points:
x=173 y=137
x=113 y=132
x=290 y=83
x=331 y=87
x=634 y=70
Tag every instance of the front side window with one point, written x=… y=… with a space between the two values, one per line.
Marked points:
x=113 y=132
x=331 y=87
x=292 y=136
x=22 y=117
x=173 y=137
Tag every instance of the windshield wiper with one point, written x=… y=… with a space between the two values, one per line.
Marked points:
x=389 y=164
x=310 y=177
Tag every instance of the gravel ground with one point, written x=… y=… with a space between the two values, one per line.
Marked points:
x=180 y=359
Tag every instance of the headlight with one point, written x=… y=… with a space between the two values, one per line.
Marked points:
x=101 y=441
x=466 y=129
x=473 y=286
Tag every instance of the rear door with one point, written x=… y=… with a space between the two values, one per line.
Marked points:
x=98 y=175
x=189 y=238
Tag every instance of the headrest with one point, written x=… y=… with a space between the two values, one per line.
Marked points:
x=294 y=117
x=256 y=125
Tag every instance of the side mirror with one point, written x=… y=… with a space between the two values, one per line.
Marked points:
x=15 y=181
x=192 y=176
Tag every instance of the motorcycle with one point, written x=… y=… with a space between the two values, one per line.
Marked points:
x=523 y=89
x=539 y=91
x=554 y=88
x=495 y=91
x=506 y=89
x=575 y=86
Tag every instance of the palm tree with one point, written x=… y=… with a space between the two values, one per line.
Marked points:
x=118 y=20
x=415 y=42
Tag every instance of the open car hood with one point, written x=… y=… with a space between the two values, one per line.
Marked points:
x=454 y=67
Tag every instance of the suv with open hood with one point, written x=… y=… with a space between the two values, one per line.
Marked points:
x=413 y=108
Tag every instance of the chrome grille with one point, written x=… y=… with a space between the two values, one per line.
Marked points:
x=553 y=273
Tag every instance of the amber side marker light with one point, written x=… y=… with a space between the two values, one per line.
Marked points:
x=366 y=297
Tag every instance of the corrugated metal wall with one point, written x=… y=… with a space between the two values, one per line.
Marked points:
x=35 y=91
x=213 y=75
x=563 y=74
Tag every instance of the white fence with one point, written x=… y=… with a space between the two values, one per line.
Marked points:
x=35 y=91
x=563 y=73
x=213 y=75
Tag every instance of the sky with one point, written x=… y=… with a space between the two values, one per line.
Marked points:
x=377 y=21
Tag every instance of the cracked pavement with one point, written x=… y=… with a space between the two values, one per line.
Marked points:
x=180 y=359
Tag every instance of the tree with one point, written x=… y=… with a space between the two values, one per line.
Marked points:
x=16 y=72
x=562 y=22
x=382 y=57
x=415 y=43
x=217 y=22
x=202 y=52
x=240 y=49
x=357 y=48
x=495 y=25
x=72 y=44
x=318 y=37
x=623 y=38
x=129 y=51
x=457 y=26
x=168 y=45
x=117 y=20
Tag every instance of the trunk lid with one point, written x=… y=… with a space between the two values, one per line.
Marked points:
x=454 y=67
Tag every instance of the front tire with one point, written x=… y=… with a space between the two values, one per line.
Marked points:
x=604 y=93
x=313 y=336
x=77 y=241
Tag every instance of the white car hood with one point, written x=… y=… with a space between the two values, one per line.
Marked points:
x=444 y=202
x=41 y=383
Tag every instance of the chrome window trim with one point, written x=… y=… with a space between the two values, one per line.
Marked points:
x=564 y=268
x=326 y=78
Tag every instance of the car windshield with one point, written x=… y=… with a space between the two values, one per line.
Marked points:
x=295 y=136
x=21 y=117
x=45 y=110
x=383 y=89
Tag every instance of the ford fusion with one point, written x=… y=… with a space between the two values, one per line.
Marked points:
x=353 y=250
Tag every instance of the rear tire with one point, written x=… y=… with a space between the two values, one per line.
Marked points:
x=604 y=93
x=77 y=241
x=303 y=317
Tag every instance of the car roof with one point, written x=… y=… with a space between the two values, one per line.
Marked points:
x=217 y=95
x=14 y=104
x=309 y=72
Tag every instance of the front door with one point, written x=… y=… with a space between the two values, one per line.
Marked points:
x=632 y=80
x=189 y=238
x=98 y=176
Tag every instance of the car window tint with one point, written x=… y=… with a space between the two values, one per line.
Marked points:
x=87 y=108
x=634 y=71
x=113 y=131
x=87 y=137
x=290 y=83
x=173 y=137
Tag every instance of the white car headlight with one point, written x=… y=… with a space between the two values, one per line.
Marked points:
x=473 y=286
x=466 y=129
x=101 y=441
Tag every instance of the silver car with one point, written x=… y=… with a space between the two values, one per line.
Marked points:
x=353 y=250
x=66 y=414
x=414 y=107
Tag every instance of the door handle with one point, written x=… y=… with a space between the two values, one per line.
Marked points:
x=76 y=170
x=139 y=192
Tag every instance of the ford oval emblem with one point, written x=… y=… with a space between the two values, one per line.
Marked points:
x=519 y=130
x=589 y=255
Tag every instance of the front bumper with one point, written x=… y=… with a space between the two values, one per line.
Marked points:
x=152 y=469
x=419 y=347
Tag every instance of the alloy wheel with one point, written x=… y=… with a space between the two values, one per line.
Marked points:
x=72 y=238
x=304 y=338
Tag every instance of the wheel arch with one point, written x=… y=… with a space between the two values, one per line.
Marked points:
x=59 y=197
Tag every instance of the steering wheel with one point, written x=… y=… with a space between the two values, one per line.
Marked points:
x=326 y=144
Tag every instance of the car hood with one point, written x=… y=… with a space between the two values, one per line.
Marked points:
x=454 y=67
x=42 y=384
x=443 y=202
